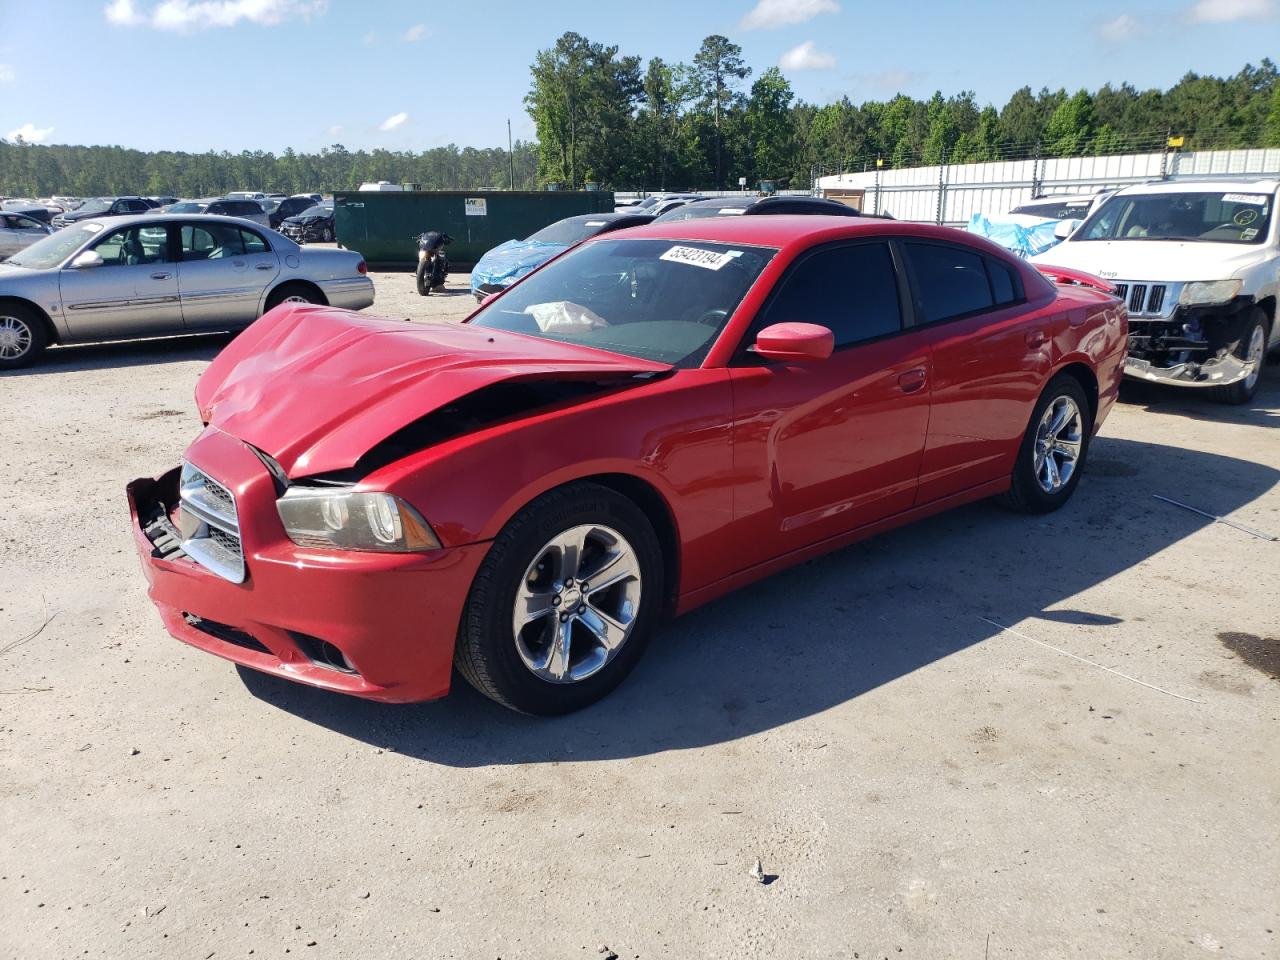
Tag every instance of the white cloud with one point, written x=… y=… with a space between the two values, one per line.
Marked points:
x=415 y=33
x=30 y=133
x=7 y=74
x=335 y=130
x=893 y=80
x=1225 y=11
x=184 y=16
x=393 y=121
x=1121 y=28
x=806 y=57
x=771 y=14
x=122 y=13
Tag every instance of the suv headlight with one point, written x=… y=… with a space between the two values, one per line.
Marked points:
x=1209 y=292
x=343 y=520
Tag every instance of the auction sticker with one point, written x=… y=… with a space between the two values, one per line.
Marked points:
x=1257 y=199
x=707 y=259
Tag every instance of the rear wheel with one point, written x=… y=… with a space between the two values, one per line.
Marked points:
x=1251 y=348
x=1053 y=449
x=293 y=293
x=563 y=605
x=23 y=336
x=424 y=277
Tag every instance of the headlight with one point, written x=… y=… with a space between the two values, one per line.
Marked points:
x=342 y=520
x=1208 y=292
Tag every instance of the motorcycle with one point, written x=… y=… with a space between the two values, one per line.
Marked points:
x=433 y=262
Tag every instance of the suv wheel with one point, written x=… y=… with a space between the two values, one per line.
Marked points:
x=1252 y=349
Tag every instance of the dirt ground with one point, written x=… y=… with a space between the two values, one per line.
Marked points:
x=1100 y=780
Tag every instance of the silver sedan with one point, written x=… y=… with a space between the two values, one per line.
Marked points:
x=139 y=276
x=18 y=231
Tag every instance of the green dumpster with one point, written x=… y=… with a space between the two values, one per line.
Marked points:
x=382 y=226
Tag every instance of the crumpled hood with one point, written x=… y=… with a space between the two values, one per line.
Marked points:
x=317 y=387
x=1151 y=260
x=508 y=262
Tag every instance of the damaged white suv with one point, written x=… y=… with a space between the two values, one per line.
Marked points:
x=1198 y=263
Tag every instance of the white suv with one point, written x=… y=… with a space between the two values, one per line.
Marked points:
x=1198 y=264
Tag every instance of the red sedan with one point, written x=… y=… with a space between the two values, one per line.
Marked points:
x=647 y=422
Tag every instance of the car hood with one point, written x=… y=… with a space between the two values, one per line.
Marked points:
x=305 y=220
x=317 y=387
x=513 y=259
x=1151 y=260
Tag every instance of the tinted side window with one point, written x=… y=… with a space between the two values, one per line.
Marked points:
x=950 y=282
x=853 y=290
x=1004 y=285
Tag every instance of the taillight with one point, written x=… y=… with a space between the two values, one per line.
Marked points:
x=362 y=267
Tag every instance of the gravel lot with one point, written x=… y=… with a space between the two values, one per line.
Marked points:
x=919 y=782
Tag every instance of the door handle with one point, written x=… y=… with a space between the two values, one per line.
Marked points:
x=1037 y=338
x=237 y=263
x=265 y=266
x=912 y=380
x=161 y=276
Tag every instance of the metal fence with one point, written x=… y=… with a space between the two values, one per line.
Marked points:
x=952 y=193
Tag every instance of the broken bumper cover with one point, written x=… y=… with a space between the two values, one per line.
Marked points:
x=1218 y=372
x=379 y=626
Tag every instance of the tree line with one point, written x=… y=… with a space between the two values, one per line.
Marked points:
x=624 y=123
x=604 y=117
x=33 y=170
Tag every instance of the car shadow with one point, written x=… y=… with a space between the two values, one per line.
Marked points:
x=833 y=629
x=124 y=353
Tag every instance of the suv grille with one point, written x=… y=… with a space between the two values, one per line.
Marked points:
x=210 y=526
x=1143 y=299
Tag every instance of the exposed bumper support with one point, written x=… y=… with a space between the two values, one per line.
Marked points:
x=1217 y=372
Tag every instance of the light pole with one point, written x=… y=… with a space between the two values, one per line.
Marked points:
x=511 y=155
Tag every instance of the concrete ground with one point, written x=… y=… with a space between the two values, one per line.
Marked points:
x=1100 y=780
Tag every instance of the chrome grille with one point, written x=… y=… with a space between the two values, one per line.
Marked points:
x=1146 y=299
x=209 y=524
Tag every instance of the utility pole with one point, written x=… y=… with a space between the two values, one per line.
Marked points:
x=511 y=155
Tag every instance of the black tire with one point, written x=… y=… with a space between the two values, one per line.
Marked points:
x=1025 y=493
x=486 y=654
x=23 y=336
x=424 y=287
x=1243 y=390
x=287 y=291
x=327 y=236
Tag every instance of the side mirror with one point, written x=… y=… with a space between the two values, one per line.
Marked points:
x=795 y=342
x=90 y=258
x=1065 y=228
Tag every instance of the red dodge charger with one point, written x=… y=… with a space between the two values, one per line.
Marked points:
x=647 y=422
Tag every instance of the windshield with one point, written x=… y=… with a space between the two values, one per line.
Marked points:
x=1198 y=217
x=316 y=211
x=1056 y=209
x=53 y=249
x=697 y=211
x=95 y=205
x=187 y=207
x=568 y=232
x=655 y=299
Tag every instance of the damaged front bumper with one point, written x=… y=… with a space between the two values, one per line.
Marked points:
x=1217 y=372
x=378 y=626
x=1189 y=346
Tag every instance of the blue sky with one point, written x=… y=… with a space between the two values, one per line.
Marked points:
x=266 y=74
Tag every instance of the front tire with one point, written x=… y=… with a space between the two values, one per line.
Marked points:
x=1252 y=349
x=1053 y=450
x=23 y=336
x=564 y=604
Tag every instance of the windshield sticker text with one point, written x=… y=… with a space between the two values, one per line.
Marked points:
x=1257 y=199
x=707 y=259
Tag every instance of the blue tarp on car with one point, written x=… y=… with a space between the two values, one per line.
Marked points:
x=1020 y=233
x=508 y=262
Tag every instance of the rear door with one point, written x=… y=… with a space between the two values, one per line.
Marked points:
x=224 y=273
x=991 y=355
x=133 y=292
x=822 y=448
x=17 y=232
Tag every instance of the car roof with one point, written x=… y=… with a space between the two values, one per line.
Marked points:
x=1209 y=185
x=144 y=218
x=786 y=230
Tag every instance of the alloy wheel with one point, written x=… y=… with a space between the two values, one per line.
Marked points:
x=295 y=298
x=15 y=338
x=1253 y=359
x=1059 y=437
x=577 y=603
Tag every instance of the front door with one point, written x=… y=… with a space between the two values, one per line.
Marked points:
x=134 y=291
x=825 y=447
x=224 y=274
